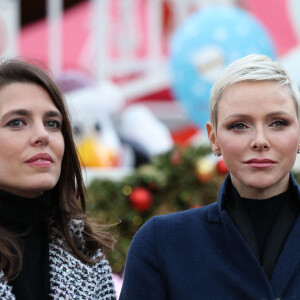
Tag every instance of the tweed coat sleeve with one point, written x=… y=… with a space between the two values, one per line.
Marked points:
x=72 y=279
x=5 y=289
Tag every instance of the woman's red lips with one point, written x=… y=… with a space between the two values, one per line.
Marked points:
x=260 y=163
x=40 y=156
x=41 y=160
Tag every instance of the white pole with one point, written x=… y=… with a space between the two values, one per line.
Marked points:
x=154 y=30
x=9 y=28
x=17 y=25
x=205 y=3
x=54 y=15
x=293 y=7
x=99 y=40
x=181 y=11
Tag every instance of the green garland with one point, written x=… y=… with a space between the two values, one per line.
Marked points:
x=171 y=180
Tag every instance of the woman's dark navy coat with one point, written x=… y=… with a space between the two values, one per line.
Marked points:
x=200 y=254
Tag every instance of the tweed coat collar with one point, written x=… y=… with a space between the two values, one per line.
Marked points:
x=69 y=277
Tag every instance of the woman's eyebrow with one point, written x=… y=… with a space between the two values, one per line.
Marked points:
x=25 y=112
x=272 y=114
x=53 y=113
x=21 y=112
x=278 y=113
x=237 y=116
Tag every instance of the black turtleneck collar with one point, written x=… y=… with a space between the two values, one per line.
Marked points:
x=264 y=224
x=18 y=213
x=28 y=218
x=262 y=214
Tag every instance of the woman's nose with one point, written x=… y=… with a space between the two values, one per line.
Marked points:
x=40 y=136
x=260 y=141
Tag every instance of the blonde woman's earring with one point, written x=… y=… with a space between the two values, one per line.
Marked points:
x=298 y=151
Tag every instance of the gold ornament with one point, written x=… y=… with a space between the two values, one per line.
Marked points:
x=205 y=169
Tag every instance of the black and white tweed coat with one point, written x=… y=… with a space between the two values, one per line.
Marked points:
x=70 y=279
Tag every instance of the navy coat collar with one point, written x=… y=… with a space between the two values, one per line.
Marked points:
x=289 y=260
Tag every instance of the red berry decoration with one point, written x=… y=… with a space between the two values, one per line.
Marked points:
x=221 y=167
x=196 y=206
x=176 y=157
x=141 y=199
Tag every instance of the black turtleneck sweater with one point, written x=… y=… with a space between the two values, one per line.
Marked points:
x=262 y=214
x=29 y=218
x=264 y=224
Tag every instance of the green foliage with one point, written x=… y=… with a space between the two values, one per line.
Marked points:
x=172 y=181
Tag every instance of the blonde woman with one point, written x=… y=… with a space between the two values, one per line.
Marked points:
x=246 y=245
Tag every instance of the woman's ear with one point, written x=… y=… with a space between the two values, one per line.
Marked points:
x=212 y=137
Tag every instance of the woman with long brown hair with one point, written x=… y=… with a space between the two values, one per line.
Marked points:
x=49 y=248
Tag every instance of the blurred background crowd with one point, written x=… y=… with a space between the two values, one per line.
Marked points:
x=136 y=75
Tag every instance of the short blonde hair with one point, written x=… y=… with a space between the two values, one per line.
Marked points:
x=253 y=67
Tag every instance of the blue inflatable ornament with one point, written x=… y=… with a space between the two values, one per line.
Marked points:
x=204 y=45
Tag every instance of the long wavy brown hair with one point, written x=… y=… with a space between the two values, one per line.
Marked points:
x=70 y=187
